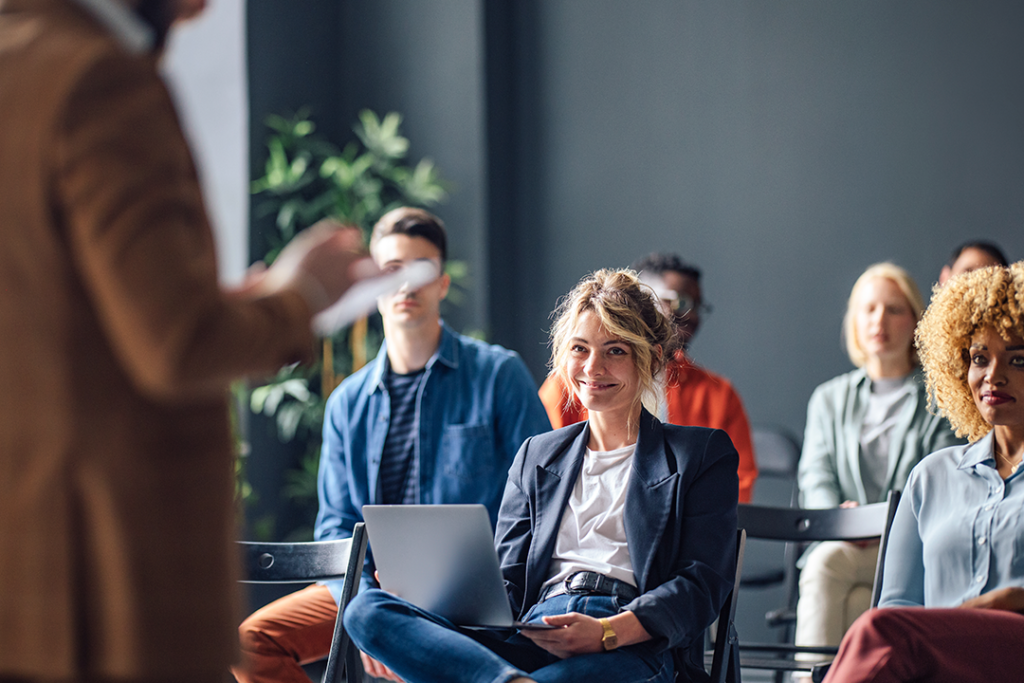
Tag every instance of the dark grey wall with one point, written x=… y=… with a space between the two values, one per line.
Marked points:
x=424 y=60
x=782 y=146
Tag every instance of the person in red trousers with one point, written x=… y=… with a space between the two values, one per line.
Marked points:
x=952 y=605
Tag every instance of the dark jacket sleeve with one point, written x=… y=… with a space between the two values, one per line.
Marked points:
x=136 y=226
x=694 y=567
x=514 y=531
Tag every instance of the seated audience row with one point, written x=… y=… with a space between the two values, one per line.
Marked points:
x=956 y=539
x=389 y=439
x=864 y=433
x=437 y=418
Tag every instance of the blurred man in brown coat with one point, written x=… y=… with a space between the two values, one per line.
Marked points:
x=116 y=348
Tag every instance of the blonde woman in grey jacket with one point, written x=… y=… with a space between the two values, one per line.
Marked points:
x=865 y=431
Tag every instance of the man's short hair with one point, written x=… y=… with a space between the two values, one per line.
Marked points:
x=408 y=220
x=981 y=245
x=659 y=262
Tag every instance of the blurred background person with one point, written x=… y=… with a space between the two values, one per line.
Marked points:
x=117 y=517
x=690 y=394
x=970 y=256
x=955 y=543
x=865 y=430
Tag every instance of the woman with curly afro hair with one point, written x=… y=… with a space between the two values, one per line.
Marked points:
x=957 y=542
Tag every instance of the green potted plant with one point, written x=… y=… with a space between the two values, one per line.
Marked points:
x=307 y=178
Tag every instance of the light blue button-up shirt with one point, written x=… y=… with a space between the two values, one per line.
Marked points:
x=477 y=403
x=959 y=530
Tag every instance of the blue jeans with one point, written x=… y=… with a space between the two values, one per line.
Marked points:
x=422 y=647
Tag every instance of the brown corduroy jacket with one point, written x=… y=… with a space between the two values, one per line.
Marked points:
x=116 y=348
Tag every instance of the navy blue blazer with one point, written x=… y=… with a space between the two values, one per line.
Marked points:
x=680 y=521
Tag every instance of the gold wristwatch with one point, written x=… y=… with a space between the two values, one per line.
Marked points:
x=609 y=641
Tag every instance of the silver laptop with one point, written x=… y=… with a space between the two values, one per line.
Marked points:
x=441 y=558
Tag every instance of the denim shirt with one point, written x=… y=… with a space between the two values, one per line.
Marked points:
x=476 y=406
x=958 y=532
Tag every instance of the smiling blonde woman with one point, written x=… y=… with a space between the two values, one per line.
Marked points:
x=620 y=531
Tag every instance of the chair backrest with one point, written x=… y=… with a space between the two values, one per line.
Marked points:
x=777 y=456
x=859 y=523
x=778 y=453
x=316 y=561
x=295 y=562
x=794 y=526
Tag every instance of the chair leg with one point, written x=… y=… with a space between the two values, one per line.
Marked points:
x=732 y=674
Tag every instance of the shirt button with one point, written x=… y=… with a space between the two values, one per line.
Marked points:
x=981 y=541
x=979 y=579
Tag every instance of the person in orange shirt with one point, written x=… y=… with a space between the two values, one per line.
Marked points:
x=693 y=395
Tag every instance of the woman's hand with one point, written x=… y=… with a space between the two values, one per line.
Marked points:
x=579 y=635
x=378 y=670
x=1009 y=599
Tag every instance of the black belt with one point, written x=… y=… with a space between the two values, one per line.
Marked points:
x=581 y=583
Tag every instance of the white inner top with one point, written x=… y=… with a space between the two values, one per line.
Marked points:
x=592 y=535
x=889 y=398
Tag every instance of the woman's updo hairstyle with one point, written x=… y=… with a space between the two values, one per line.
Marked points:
x=629 y=310
x=987 y=297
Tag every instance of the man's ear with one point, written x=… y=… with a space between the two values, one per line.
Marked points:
x=446 y=283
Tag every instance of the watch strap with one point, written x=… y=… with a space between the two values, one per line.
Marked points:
x=609 y=640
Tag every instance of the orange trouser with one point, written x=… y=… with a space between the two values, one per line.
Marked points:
x=279 y=638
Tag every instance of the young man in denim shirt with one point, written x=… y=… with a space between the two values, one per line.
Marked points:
x=437 y=418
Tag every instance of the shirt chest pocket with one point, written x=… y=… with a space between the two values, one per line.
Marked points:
x=467 y=451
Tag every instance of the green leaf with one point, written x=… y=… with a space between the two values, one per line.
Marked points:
x=422 y=185
x=381 y=137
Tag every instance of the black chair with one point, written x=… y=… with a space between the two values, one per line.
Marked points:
x=724 y=658
x=316 y=561
x=769 y=572
x=794 y=525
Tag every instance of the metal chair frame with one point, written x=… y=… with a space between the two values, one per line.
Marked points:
x=796 y=525
x=316 y=561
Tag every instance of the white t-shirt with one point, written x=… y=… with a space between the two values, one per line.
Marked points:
x=592 y=534
x=890 y=397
